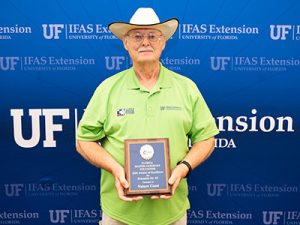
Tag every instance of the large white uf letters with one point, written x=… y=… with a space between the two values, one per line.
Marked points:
x=35 y=115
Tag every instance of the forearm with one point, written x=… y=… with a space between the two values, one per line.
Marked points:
x=97 y=156
x=200 y=152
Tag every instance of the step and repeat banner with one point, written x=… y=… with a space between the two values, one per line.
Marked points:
x=243 y=55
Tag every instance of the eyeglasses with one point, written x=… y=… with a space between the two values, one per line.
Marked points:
x=138 y=37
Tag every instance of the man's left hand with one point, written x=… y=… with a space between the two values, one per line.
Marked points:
x=177 y=175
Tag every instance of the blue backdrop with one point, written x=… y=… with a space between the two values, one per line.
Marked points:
x=244 y=57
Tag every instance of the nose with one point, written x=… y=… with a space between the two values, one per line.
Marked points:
x=145 y=41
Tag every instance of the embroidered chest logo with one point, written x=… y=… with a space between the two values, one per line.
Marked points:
x=125 y=111
x=168 y=108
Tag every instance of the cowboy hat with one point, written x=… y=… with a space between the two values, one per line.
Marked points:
x=144 y=18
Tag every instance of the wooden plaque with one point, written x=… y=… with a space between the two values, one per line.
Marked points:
x=147 y=166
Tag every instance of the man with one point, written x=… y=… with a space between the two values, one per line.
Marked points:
x=145 y=101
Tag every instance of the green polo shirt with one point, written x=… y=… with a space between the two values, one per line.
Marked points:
x=123 y=109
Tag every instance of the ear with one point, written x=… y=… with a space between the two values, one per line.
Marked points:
x=163 y=43
x=125 y=43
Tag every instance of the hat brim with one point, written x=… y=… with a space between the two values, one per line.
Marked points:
x=168 y=27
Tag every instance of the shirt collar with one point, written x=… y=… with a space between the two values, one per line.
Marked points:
x=164 y=79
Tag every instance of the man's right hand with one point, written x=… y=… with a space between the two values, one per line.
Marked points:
x=121 y=184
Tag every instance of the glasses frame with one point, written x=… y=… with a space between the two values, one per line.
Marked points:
x=132 y=37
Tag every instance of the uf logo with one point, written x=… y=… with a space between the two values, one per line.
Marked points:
x=215 y=189
x=13 y=190
x=271 y=217
x=281 y=31
x=114 y=62
x=8 y=63
x=54 y=30
x=59 y=216
x=219 y=63
x=35 y=114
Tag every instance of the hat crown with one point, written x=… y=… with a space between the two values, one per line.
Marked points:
x=144 y=16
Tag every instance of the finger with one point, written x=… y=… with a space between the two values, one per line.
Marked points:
x=165 y=196
x=124 y=198
x=122 y=195
x=137 y=198
x=120 y=191
x=175 y=185
x=172 y=179
x=131 y=198
x=123 y=182
x=154 y=197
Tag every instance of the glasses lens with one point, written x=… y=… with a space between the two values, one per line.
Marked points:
x=152 y=37
x=138 y=37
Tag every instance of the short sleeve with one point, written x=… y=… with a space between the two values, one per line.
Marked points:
x=203 y=123
x=90 y=127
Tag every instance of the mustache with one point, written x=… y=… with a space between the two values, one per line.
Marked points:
x=146 y=50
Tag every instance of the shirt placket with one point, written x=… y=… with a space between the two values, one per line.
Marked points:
x=150 y=103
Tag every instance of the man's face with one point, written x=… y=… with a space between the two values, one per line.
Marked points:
x=144 y=45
